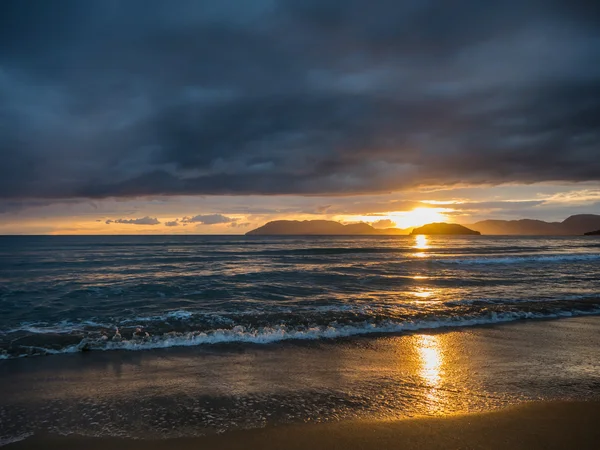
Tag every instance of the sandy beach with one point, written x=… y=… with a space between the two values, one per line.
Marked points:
x=523 y=385
x=541 y=425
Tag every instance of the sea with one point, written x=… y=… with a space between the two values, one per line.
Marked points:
x=169 y=336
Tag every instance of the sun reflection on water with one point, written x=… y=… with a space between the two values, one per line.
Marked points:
x=421 y=242
x=423 y=293
x=431 y=360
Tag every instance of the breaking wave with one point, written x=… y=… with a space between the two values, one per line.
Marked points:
x=142 y=340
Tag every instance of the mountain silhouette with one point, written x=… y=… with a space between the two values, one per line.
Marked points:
x=319 y=227
x=573 y=225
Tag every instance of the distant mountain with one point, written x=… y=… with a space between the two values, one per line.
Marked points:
x=518 y=227
x=582 y=223
x=443 y=228
x=592 y=233
x=319 y=227
x=573 y=225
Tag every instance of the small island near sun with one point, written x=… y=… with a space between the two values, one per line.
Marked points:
x=444 y=228
x=592 y=233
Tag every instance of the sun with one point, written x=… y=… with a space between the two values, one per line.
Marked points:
x=419 y=217
x=406 y=219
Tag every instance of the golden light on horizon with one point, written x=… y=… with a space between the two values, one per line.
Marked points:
x=407 y=219
x=420 y=216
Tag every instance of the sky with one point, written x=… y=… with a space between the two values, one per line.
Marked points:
x=217 y=116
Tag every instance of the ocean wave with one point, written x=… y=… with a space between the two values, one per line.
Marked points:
x=176 y=315
x=297 y=313
x=282 y=332
x=523 y=259
x=325 y=251
x=64 y=327
x=582 y=300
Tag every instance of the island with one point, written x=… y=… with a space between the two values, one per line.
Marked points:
x=592 y=233
x=444 y=228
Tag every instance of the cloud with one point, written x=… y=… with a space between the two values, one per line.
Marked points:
x=372 y=207
x=322 y=209
x=141 y=221
x=384 y=223
x=496 y=205
x=582 y=196
x=172 y=223
x=209 y=219
x=239 y=225
x=285 y=97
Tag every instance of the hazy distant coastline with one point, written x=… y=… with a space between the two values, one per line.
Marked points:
x=572 y=226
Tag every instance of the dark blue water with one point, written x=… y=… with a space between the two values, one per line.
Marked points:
x=69 y=294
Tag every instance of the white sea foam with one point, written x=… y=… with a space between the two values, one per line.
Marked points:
x=12 y=439
x=178 y=315
x=51 y=351
x=66 y=327
x=267 y=335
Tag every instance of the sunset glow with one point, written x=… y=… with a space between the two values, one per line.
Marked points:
x=407 y=219
x=420 y=216
x=302 y=223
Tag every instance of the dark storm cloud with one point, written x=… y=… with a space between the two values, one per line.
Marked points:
x=135 y=98
x=141 y=221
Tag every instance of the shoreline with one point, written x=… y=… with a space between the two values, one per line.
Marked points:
x=478 y=323
x=188 y=395
x=529 y=425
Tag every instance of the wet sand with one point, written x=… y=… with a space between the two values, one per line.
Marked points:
x=541 y=425
x=355 y=393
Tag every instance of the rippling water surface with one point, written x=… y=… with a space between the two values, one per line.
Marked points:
x=69 y=294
